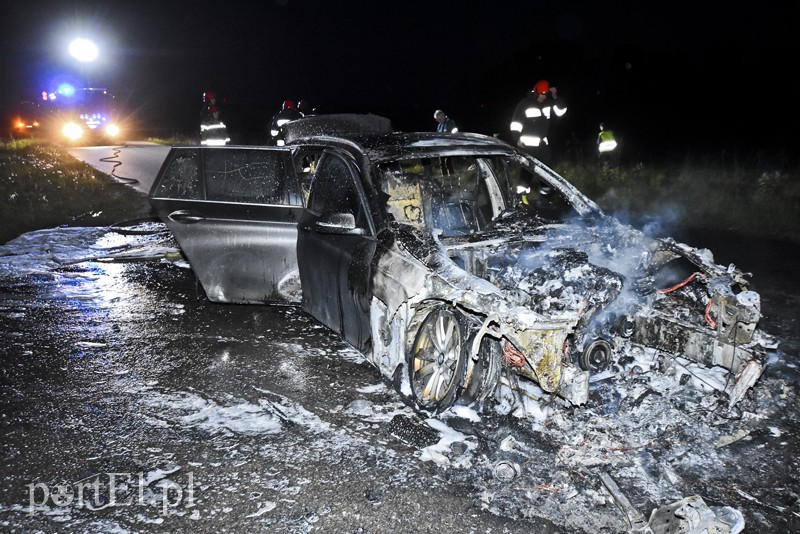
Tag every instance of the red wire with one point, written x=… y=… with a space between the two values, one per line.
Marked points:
x=707 y=315
x=678 y=286
x=512 y=356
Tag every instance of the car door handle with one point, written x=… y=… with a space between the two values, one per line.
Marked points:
x=185 y=217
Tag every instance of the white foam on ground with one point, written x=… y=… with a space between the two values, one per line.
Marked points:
x=42 y=251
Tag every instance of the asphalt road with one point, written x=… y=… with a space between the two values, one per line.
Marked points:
x=135 y=162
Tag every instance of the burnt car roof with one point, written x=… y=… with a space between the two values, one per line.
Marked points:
x=380 y=147
x=412 y=145
x=338 y=123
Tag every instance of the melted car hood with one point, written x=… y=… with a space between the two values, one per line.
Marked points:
x=566 y=261
x=597 y=270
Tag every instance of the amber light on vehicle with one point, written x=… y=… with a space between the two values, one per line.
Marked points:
x=20 y=124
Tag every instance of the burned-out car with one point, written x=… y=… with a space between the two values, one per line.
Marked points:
x=455 y=263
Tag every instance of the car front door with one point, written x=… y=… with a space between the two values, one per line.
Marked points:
x=335 y=246
x=233 y=212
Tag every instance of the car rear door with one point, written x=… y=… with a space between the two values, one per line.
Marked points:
x=233 y=212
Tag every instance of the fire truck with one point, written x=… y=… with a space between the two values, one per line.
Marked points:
x=82 y=116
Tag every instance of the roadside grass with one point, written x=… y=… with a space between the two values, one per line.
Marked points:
x=176 y=139
x=42 y=186
x=757 y=196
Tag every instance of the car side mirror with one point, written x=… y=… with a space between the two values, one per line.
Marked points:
x=338 y=223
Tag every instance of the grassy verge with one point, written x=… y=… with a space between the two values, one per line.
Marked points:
x=42 y=186
x=753 y=196
x=175 y=139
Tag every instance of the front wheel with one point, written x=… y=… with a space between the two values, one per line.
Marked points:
x=437 y=359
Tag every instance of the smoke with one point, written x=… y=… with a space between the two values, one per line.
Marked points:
x=665 y=221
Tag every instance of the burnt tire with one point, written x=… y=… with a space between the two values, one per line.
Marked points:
x=484 y=373
x=437 y=359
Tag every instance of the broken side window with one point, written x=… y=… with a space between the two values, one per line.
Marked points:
x=305 y=165
x=250 y=177
x=335 y=191
x=181 y=180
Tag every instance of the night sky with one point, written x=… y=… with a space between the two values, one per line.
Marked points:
x=669 y=75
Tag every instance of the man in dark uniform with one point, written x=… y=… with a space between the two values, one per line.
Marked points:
x=531 y=121
x=444 y=123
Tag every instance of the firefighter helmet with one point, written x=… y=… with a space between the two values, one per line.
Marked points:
x=541 y=87
x=288 y=104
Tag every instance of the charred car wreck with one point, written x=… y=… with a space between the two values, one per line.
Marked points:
x=455 y=263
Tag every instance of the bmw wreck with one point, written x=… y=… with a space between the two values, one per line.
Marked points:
x=457 y=264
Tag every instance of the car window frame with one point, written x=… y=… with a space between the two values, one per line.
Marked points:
x=356 y=179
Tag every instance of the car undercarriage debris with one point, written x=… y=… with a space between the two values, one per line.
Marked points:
x=690 y=515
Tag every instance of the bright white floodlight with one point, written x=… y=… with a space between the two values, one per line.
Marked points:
x=83 y=50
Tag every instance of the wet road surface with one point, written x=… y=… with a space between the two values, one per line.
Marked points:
x=134 y=162
x=263 y=419
x=205 y=417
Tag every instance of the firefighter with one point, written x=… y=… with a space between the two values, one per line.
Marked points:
x=212 y=130
x=444 y=123
x=287 y=113
x=531 y=120
x=606 y=144
x=210 y=111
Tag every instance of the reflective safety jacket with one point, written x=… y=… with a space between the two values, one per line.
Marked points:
x=213 y=131
x=531 y=119
x=606 y=141
x=214 y=134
